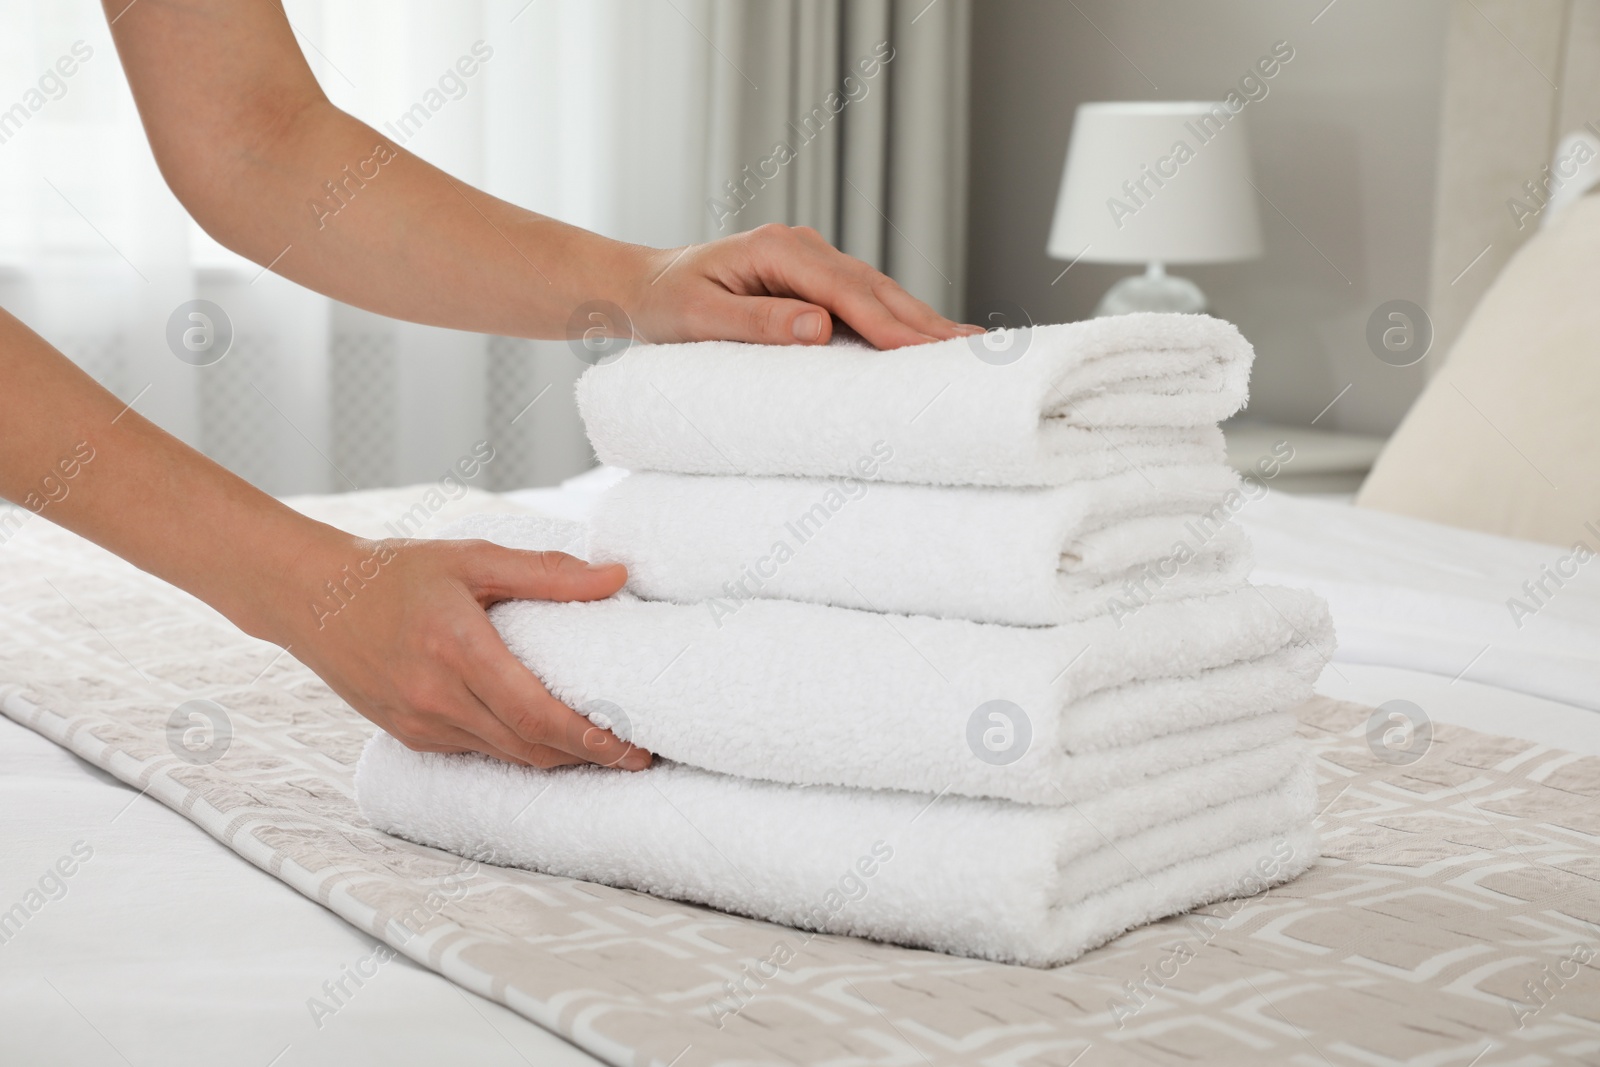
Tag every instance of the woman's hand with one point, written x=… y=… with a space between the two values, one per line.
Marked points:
x=397 y=628
x=776 y=285
x=411 y=648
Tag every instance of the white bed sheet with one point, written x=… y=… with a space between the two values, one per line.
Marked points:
x=1409 y=593
x=214 y=961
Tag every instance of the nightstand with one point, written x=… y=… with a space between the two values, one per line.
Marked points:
x=1324 y=461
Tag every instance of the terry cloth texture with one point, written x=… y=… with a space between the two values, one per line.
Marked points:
x=809 y=694
x=1078 y=400
x=1011 y=882
x=1026 y=557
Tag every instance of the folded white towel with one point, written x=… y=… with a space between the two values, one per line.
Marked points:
x=808 y=694
x=1084 y=400
x=1010 y=882
x=1029 y=557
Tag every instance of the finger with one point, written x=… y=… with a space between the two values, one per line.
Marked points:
x=919 y=316
x=767 y=320
x=910 y=311
x=846 y=286
x=475 y=729
x=446 y=738
x=905 y=307
x=798 y=262
x=489 y=735
x=430 y=746
x=519 y=700
x=877 y=325
x=496 y=573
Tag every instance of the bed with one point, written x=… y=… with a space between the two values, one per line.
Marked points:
x=165 y=945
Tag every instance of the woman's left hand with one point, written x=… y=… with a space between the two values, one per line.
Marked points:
x=776 y=285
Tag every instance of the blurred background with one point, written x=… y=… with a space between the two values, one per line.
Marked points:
x=638 y=118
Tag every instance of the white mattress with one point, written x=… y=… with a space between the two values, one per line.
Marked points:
x=143 y=961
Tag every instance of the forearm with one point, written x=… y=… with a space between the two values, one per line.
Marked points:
x=73 y=453
x=262 y=160
x=339 y=208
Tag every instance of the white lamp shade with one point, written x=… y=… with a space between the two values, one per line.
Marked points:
x=1148 y=182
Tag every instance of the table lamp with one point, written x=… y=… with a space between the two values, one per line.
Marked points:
x=1156 y=183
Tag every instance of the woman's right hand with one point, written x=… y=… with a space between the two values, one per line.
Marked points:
x=410 y=645
x=412 y=648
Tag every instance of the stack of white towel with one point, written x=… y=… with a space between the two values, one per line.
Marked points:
x=930 y=650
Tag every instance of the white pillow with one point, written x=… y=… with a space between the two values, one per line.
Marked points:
x=1506 y=437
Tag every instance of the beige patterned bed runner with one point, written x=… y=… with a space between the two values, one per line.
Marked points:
x=1452 y=919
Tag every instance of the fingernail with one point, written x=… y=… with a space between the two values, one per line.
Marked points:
x=967 y=330
x=637 y=759
x=598 y=566
x=808 y=327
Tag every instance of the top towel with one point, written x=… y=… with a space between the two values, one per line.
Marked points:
x=1044 y=405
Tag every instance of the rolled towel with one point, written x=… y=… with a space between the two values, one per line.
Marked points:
x=1082 y=400
x=1009 y=882
x=1027 y=557
x=809 y=694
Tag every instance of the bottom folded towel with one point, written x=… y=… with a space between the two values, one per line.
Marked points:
x=994 y=879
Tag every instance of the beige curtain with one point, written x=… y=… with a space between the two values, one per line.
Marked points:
x=849 y=116
x=1519 y=75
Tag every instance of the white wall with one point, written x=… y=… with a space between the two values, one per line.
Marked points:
x=1344 y=146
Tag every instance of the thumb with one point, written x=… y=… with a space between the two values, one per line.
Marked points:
x=498 y=573
x=770 y=320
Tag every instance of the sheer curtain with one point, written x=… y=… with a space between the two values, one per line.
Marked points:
x=629 y=117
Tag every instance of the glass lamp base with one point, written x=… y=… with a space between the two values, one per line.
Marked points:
x=1154 y=290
